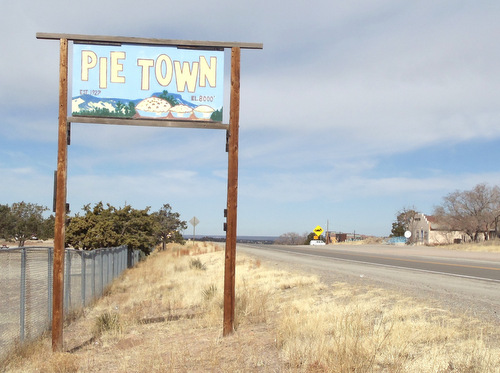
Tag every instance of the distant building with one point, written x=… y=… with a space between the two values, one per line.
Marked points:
x=425 y=230
x=334 y=237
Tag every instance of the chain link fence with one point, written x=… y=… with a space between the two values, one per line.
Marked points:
x=26 y=286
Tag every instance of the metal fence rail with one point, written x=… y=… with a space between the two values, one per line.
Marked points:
x=26 y=286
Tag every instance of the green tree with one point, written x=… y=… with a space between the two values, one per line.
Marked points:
x=309 y=238
x=6 y=222
x=21 y=221
x=92 y=230
x=168 y=97
x=119 y=110
x=217 y=115
x=404 y=219
x=47 y=228
x=168 y=226
x=108 y=226
x=130 y=110
x=124 y=111
x=136 y=228
x=398 y=229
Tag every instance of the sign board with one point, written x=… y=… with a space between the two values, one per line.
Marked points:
x=318 y=231
x=194 y=221
x=118 y=80
x=407 y=234
x=128 y=81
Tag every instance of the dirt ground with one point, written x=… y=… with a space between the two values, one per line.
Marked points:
x=37 y=243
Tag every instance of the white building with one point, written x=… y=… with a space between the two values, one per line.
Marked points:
x=425 y=230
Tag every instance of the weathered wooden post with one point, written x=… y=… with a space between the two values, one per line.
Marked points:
x=232 y=194
x=59 y=228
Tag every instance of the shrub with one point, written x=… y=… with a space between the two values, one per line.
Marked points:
x=106 y=322
x=197 y=264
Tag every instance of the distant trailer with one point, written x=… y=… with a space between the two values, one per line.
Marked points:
x=341 y=237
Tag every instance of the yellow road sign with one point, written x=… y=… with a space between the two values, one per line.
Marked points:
x=318 y=230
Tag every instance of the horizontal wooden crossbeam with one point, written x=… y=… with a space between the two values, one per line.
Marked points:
x=146 y=41
x=150 y=122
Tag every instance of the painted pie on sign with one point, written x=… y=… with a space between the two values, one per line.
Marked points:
x=153 y=107
x=203 y=112
x=181 y=111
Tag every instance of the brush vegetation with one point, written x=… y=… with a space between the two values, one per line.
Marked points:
x=492 y=246
x=166 y=314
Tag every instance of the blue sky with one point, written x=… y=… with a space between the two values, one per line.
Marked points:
x=352 y=111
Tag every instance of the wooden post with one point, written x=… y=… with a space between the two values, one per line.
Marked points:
x=232 y=194
x=59 y=228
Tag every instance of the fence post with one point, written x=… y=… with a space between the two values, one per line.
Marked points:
x=49 y=282
x=27 y=326
x=122 y=254
x=106 y=278
x=22 y=311
x=119 y=257
x=112 y=256
x=101 y=275
x=110 y=266
x=124 y=259
x=93 y=273
x=67 y=285
x=115 y=263
x=83 y=278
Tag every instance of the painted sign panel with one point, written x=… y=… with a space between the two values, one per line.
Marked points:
x=151 y=82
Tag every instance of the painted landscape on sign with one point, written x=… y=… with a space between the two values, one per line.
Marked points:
x=147 y=82
x=161 y=105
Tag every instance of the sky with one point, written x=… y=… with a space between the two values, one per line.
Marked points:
x=352 y=111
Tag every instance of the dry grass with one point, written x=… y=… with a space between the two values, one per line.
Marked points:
x=371 y=240
x=166 y=316
x=492 y=246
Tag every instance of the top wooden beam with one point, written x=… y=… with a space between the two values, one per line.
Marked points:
x=146 y=41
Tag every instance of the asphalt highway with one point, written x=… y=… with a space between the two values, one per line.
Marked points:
x=482 y=266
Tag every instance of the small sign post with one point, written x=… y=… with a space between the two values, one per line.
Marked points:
x=194 y=222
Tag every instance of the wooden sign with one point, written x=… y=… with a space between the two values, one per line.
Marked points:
x=102 y=94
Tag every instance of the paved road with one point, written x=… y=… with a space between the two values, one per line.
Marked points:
x=483 y=266
x=467 y=282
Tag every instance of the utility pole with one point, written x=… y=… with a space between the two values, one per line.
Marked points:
x=327 y=232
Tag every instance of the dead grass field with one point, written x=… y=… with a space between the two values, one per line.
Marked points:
x=165 y=315
x=492 y=246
